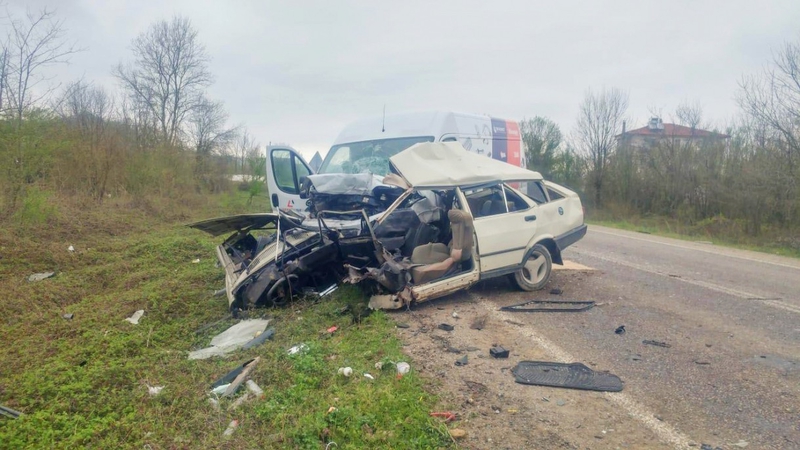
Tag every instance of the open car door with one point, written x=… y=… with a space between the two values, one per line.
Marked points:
x=285 y=168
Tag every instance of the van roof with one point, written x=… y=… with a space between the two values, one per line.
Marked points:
x=408 y=124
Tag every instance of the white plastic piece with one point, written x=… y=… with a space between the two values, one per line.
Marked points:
x=231 y=427
x=254 y=388
x=219 y=390
x=366 y=375
x=71 y=248
x=379 y=365
x=196 y=261
x=297 y=349
x=346 y=371
x=403 y=368
x=134 y=319
x=154 y=390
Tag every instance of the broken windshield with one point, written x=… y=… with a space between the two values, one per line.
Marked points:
x=368 y=156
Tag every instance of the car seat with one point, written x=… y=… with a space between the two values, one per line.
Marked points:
x=436 y=259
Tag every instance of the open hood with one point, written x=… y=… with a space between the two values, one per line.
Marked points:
x=431 y=165
x=222 y=225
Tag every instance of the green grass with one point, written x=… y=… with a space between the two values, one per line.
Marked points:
x=82 y=383
x=660 y=226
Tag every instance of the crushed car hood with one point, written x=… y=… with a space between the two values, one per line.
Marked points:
x=430 y=165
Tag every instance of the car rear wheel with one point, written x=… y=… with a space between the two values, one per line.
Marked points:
x=535 y=271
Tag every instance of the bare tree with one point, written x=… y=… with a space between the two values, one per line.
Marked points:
x=207 y=128
x=244 y=147
x=33 y=43
x=599 y=121
x=542 y=137
x=3 y=75
x=168 y=75
x=689 y=114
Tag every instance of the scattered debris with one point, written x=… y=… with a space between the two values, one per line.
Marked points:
x=403 y=325
x=462 y=361
x=40 y=276
x=701 y=362
x=232 y=339
x=620 y=329
x=332 y=329
x=219 y=390
x=403 y=368
x=297 y=349
x=446 y=327
x=657 y=343
x=332 y=409
x=231 y=427
x=195 y=261
x=346 y=371
x=480 y=322
x=134 y=319
x=454 y=315
x=446 y=415
x=457 y=433
x=572 y=376
x=741 y=444
x=550 y=306
x=246 y=369
x=498 y=352
x=556 y=291
x=8 y=412
x=379 y=365
x=259 y=339
x=708 y=447
x=239 y=401
x=254 y=388
x=68 y=316
x=70 y=249
x=154 y=390
x=366 y=375
x=222 y=384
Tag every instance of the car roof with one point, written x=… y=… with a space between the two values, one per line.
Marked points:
x=448 y=164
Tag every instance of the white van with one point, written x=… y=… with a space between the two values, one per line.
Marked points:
x=365 y=146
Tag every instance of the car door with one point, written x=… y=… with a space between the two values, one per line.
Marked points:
x=285 y=167
x=504 y=225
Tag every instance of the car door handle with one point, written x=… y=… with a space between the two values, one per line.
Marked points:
x=530 y=218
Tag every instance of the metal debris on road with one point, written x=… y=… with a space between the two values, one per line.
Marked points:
x=656 y=343
x=462 y=361
x=40 y=276
x=446 y=327
x=572 y=376
x=550 y=306
x=134 y=319
x=620 y=329
x=498 y=352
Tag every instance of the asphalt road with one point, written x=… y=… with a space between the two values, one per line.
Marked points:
x=731 y=318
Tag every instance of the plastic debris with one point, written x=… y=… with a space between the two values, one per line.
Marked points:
x=379 y=365
x=463 y=361
x=403 y=368
x=68 y=316
x=232 y=339
x=231 y=428
x=71 y=248
x=259 y=339
x=254 y=388
x=246 y=369
x=331 y=409
x=741 y=444
x=556 y=291
x=403 y=325
x=332 y=329
x=346 y=371
x=134 y=319
x=8 y=412
x=219 y=390
x=366 y=375
x=196 y=261
x=446 y=415
x=454 y=315
x=620 y=329
x=297 y=349
x=154 y=390
x=446 y=327
x=40 y=276
x=498 y=352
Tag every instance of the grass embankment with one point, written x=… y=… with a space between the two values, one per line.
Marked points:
x=84 y=382
x=718 y=231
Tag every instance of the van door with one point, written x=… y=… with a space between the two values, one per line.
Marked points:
x=285 y=168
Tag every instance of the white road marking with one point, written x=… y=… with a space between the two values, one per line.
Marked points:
x=572 y=265
x=698 y=249
x=665 y=432
x=714 y=287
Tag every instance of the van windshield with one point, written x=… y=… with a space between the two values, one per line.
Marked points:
x=367 y=156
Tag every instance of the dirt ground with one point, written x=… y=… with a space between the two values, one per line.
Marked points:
x=495 y=411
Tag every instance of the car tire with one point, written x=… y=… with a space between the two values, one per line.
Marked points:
x=535 y=271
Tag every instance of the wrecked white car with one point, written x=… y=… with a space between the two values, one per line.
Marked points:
x=441 y=221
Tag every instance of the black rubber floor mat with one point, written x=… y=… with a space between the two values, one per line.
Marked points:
x=572 y=376
x=550 y=306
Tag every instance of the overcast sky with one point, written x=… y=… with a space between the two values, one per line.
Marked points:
x=297 y=72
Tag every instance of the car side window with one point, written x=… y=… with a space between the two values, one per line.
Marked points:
x=514 y=202
x=535 y=191
x=554 y=195
x=486 y=201
x=283 y=172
